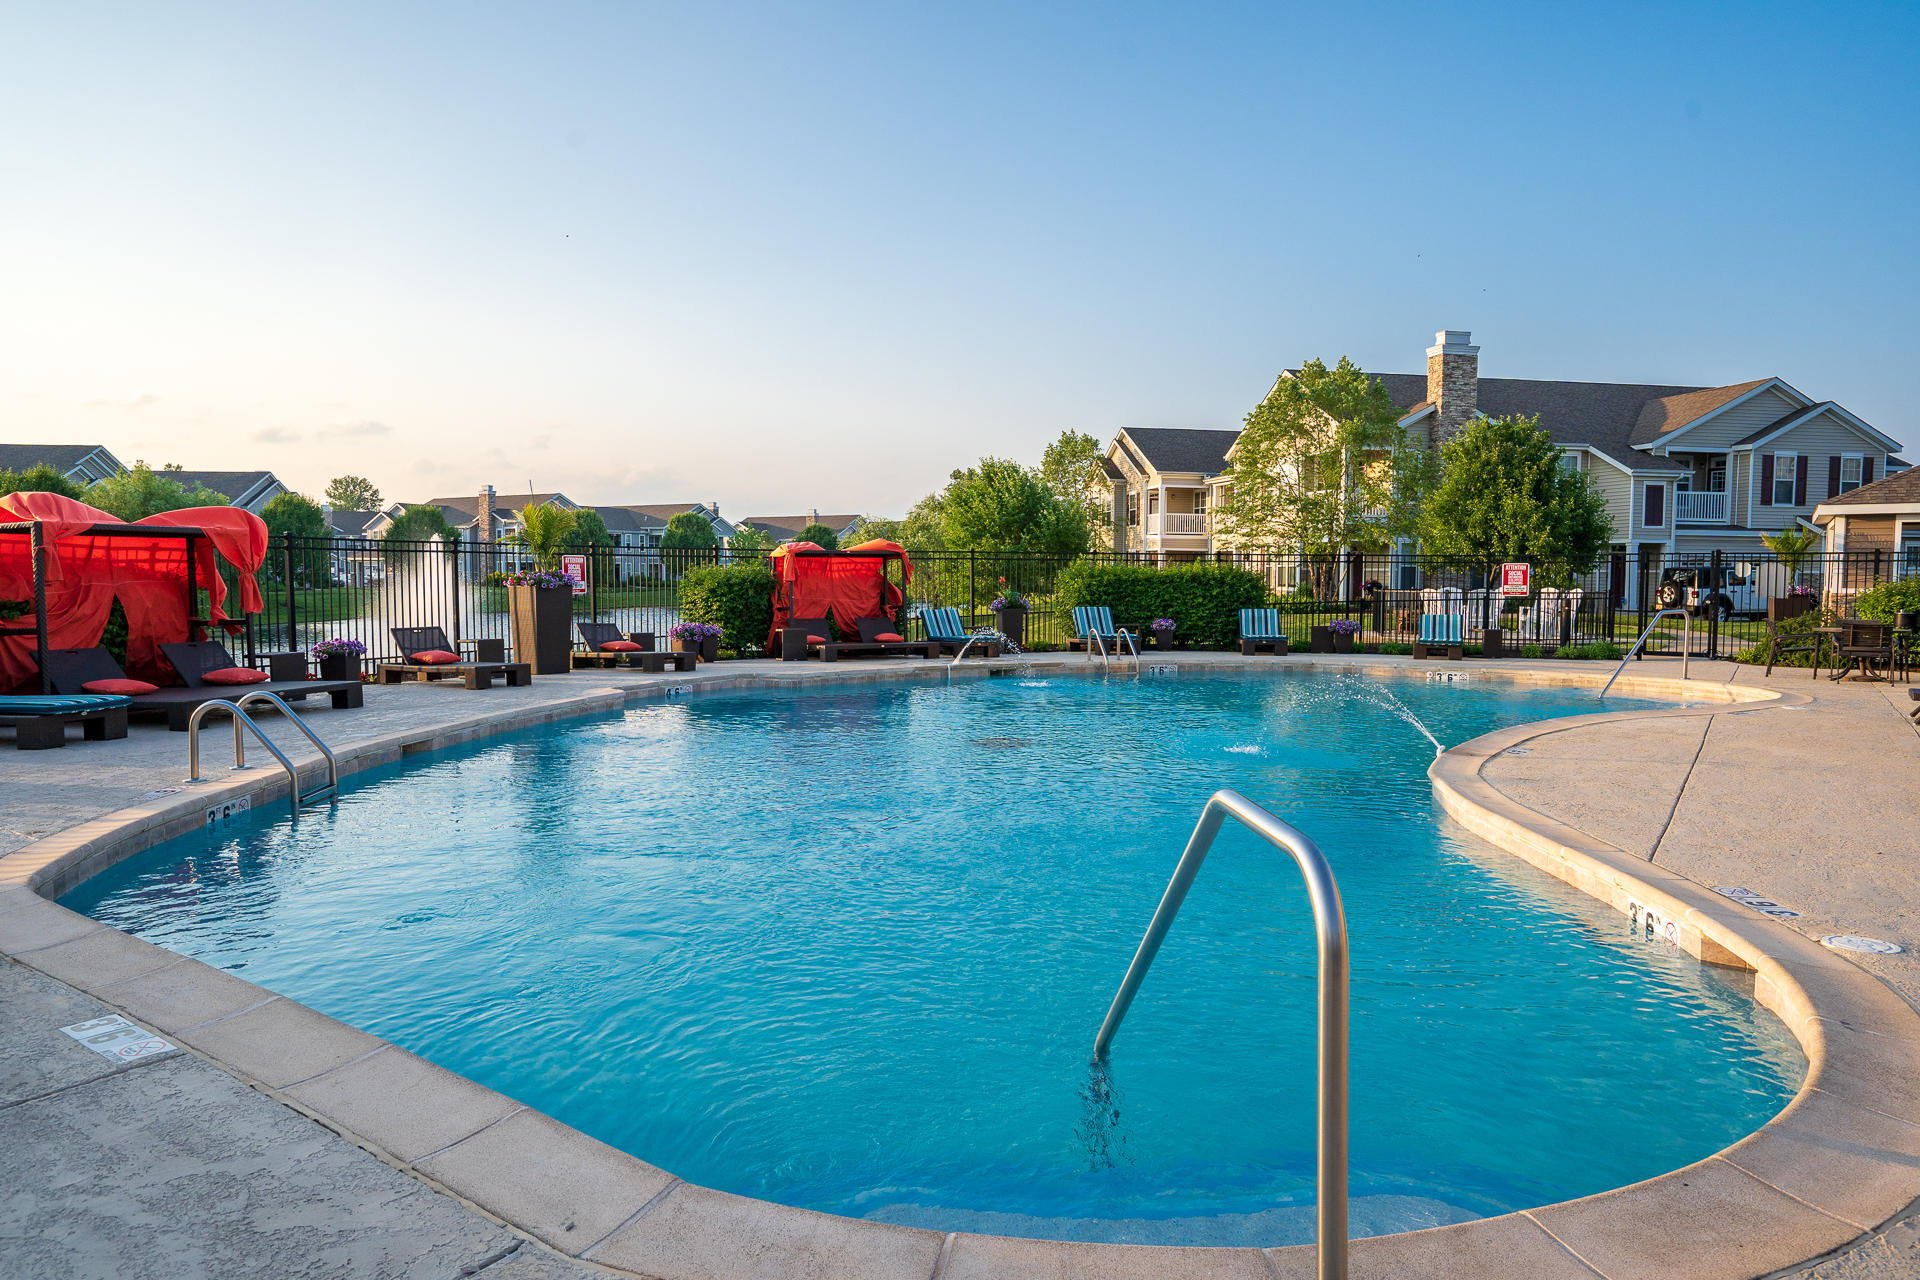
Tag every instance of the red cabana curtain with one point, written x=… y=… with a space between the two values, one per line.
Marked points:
x=848 y=586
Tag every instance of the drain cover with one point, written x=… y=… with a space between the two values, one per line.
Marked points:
x=1853 y=942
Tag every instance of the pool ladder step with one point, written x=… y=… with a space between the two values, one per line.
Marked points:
x=244 y=723
x=1330 y=924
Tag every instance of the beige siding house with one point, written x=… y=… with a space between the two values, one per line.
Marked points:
x=1160 y=478
x=1881 y=519
x=1686 y=470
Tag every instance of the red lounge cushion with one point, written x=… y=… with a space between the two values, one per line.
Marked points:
x=888 y=637
x=620 y=646
x=117 y=686
x=817 y=640
x=434 y=657
x=233 y=675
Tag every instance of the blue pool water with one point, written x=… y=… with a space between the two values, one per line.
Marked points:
x=848 y=950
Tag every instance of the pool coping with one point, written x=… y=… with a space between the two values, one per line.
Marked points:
x=1814 y=1178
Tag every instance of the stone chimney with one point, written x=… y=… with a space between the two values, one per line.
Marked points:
x=485 y=527
x=1453 y=383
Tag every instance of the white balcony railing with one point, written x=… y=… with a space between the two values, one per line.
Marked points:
x=1697 y=506
x=1176 y=522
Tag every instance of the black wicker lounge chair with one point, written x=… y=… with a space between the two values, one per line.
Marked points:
x=598 y=635
x=474 y=675
x=69 y=670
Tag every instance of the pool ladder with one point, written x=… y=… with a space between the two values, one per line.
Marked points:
x=1686 y=644
x=330 y=790
x=1106 y=660
x=1330 y=924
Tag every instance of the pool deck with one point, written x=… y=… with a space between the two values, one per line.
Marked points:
x=276 y=1141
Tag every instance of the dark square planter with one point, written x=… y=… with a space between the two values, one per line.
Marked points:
x=1320 y=640
x=1342 y=642
x=339 y=666
x=1012 y=623
x=543 y=628
x=1493 y=643
x=1785 y=608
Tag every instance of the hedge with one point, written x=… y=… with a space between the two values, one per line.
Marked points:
x=1204 y=600
x=738 y=598
x=1881 y=603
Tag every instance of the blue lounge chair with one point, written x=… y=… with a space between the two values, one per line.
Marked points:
x=1262 y=627
x=945 y=629
x=1093 y=621
x=41 y=721
x=1440 y=631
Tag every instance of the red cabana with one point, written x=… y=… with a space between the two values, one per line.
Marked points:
x=69 y=561
x=809 y=582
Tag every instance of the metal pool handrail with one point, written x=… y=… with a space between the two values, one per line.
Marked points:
x=241 y=720
x=1330 y=924
x=1686 y=645
x=1101 y=644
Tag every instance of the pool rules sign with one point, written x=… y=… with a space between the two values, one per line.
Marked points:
x=575 y=567
x=1516 y=579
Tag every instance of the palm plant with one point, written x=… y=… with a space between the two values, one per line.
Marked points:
x=544 y=530
x=1792 y=546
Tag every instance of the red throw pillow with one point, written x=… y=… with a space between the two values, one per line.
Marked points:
x=817 y=640
x=434 y=657
x=117 y=686
x=233 y=675
x=620 y=646
x=888 y=637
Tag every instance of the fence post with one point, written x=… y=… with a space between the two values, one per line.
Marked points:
x=286 y=564
x=593 y=579
x=971 y=597
x=1876 y=567
x=453 y=563
x=1714 y=579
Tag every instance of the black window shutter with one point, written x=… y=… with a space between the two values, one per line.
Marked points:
x=1656 y=513
x=1800 y=483
x=1866 y=471
x=1833 y=476
x=1766 y=480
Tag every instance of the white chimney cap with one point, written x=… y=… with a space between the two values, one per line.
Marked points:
x=1453 y=342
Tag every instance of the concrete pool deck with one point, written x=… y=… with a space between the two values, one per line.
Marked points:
x=207 y=1161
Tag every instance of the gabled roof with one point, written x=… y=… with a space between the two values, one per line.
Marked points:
x=1598 y=415
x=61 y=457
x=789 y=525
x=665 y=511
x=1181 y=449
x=233 y=485
x=1683 y=406
x=1900 y=488
x=351 y=524
x=630 y=519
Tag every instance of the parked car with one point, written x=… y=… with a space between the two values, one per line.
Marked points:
x=1737 y=590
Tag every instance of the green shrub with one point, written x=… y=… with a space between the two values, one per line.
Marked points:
x=1530 y=651
x=1598 y=651
x=1203 y=599
x=1393 y=646
x=1882 y=602
x=737 y=598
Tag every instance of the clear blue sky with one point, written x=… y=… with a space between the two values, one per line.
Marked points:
x=818 y=255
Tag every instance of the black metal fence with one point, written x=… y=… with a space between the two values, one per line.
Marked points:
x=360 y=589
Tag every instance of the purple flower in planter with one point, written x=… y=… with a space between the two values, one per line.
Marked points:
x=542 y=578
x=1345 y=627
x=339 y=647
x=1163 y=624
x=1801 y=592
x=694 y=631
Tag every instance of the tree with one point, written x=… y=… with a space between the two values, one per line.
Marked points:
x=925 y=528
x=290 y=513
x=352 y=493
x=1503 y=495
x=418 y=523
x=142 y=492
x=589 y=530
x=868 y=528
x=1323 y=466
x=689 y=531
x=545 y=530
x=999 y=505
x=749 y=541
x=1792 y=546
x=1071 y=468
x=41 y=478
x=820 y=536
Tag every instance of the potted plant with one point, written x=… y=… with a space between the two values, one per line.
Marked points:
x=1160 y=633
x=1344 y=630
x=702 y=638
x=339 y=658
x=1010 y=608
x=542 y=604
x=1796 y=603
x=1320 y=639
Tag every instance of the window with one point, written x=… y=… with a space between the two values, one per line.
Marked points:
x=1572 y=461
x=1199 y=502
x=1850 y=465
x=1655 y=515
x=1786 y=469
x=1717 y=476
x=1133 y=507
x=1909 y=552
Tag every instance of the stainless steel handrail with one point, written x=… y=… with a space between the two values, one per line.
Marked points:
x=1100 y=642
x=237 y=708
x=1686 y=645
x=1330 y=924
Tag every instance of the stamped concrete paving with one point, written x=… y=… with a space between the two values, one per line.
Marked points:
x=176 y=1168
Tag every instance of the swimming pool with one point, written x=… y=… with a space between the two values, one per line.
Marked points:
x=847 y=949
